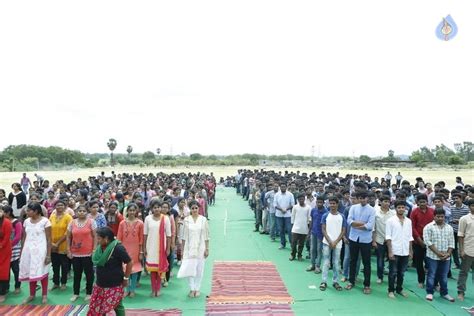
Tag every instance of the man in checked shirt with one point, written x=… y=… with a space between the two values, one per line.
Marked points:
x=439 y=239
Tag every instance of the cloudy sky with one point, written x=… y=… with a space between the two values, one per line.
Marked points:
x=347 y=77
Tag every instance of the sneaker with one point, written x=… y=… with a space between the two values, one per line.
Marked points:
x=461 y=296
x=429 y=297
x=449 y=298
x=74 y=298
x=379 y=281
x=317 y=270
x=402 y=293
x=54 y=287
x=310 y=268
x=391 y=294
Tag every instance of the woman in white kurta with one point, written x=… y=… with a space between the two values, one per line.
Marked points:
x=195 y=242
x=35 y=260
x=157 y=241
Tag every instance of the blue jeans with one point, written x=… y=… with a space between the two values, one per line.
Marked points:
x=316 y=251
x=437 y=270
x=272 y=225
x=284 y=226
x=381 y=253
x=132 y=284
x=396 y=272
x=336 y=253
x=346 y=262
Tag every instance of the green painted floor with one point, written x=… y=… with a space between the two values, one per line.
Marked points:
x=232 y=239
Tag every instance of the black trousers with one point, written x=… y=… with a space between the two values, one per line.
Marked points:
x=15 y=267
x=4 y=287
x=82 y=265
x=60 y=264
x=364 y=248
x=297 y=240
x=455 y=251
x=419 y=255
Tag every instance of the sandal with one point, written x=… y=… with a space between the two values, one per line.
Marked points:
x=349 y=286
x=337 y=286
x=367 y=290
x=323 y=286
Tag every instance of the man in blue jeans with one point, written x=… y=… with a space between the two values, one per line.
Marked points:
x=283 y=202
x=382 y=214
x=317 y=235
x=439 y=239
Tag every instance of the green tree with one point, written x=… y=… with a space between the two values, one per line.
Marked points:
x=195 y=156
x=148 y=157
x=455 y=160
x=364 y=159
x=112 y=143
x=129 y=151
x=465 y=150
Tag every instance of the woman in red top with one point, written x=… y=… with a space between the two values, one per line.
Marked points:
x=81 y=241
x=5 y=254
x=130 y=233
x=113 y=217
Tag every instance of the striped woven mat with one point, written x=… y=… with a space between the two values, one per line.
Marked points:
x=153 y=312
x=247 y=283
x=248 y=309
x=42 y=310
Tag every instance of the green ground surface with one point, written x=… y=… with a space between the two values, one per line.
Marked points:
x=232 y=239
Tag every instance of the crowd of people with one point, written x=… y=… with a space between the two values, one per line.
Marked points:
x=109 y=228
x=342 y=220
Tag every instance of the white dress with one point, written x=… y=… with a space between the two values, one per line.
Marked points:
x=32 y=267
x=151 y=228
x=195 y=236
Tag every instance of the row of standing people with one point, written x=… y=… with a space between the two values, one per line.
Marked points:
x=310 y=226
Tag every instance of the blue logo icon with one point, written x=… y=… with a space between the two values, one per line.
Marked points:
x=447 y=29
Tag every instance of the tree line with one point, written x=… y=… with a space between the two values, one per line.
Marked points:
x=30 y=157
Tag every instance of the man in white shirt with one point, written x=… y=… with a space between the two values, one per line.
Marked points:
x=466 y=248
x=382 y=214
x=300 y=218
x=283 y=202
x=399 y=237
x=334 y=228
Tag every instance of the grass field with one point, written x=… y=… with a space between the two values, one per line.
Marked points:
x=429 y=175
